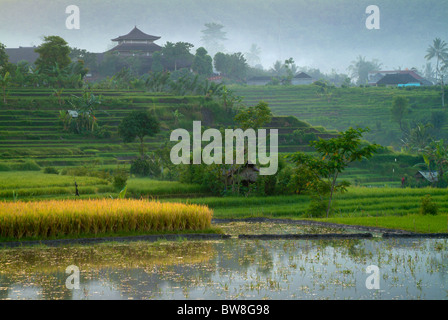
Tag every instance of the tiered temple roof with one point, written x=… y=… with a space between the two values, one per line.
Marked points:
x=136 y=42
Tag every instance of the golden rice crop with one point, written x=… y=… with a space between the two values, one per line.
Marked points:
x=55 y=218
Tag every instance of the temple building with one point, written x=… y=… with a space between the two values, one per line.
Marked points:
x=135 y=43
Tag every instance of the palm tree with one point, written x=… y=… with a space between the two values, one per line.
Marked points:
x=360 y=69
x=278 y=68
x=253 y=56
x=438 y=50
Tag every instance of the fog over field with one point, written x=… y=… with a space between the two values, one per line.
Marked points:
x=322 y=34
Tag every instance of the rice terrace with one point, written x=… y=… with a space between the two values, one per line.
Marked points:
x=120 y=178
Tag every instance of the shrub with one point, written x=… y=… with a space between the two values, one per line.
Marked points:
x=317 y=208
x=4 y=167
x=28 y=165
x=120 y=178
x=428 y=206
x=51 y=170
x=140 y=167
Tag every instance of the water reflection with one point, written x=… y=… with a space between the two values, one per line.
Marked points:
x=230 y=269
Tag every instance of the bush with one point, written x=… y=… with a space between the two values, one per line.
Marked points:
x=317 y=208
x=120 y=178
x=4 y=167
x=428 y=206
x=140 y=167
x=51 y=170
x=29 y=165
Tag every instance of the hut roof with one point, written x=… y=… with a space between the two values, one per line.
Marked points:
x=302 y=75
x=431 y=176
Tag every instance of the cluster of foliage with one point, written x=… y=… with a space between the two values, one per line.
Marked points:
x=233 y=65
x=138 y=124
x=333 y=156
x=428 y=206
x=155 y=165
x=53 y=68
x=86 y=107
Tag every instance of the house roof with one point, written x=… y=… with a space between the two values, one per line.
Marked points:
x=398 y=78
x=239 y=167
x=136 y=34
x=145 y=47
x=431 y=176
x=22 y=53
x=261 y=78
x=302 y=75
x=411 y=72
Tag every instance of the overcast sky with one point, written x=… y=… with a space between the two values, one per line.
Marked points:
x=325 y=34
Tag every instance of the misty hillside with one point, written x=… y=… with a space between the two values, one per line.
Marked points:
x=319 y=33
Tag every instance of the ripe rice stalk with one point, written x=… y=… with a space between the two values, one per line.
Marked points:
x=53 y=218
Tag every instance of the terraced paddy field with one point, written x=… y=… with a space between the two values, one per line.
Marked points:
x=30 y=128
x=31 y=138
x=364 y=107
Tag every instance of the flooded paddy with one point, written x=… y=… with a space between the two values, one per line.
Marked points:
x=231 y=269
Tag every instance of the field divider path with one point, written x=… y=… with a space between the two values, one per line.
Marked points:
x=316 y=223
x=305 y=236
x=150 y=238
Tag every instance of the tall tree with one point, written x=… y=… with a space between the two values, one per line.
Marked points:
x=90 y=59
x=439 y=51
x=278 y=69
x=202 y=62
x=333 y=156
x=232 y=65
x=360 y=69
x=3 y=59
x=399 y=109
x=178 y=53
x=157 y=65
x=53 y=52
x=254 y=117
x=138 y=124
x=253 y=56
x=213 y=36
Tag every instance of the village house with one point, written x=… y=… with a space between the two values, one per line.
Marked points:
x=302 y=79
x=397 y=78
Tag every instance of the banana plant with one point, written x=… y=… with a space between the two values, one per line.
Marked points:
x=87 y=105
